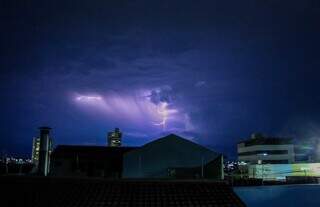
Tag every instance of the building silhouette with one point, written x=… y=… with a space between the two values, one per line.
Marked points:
x=167 y=157
x=88 y=161
x=45 y=148
x=173 y=157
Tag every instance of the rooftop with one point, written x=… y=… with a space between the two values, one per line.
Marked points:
x=49 y=191
x=89 y=151
x=267 y=141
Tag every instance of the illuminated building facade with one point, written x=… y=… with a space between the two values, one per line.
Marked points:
x=266 y=150
x=114 y=138
x=44 y=151
x=42 y=147
x=35 y=150
x=284 y=171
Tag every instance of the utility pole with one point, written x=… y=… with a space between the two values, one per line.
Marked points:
x=262 y=172
x=140 y=166
x=202 y=169
x=77 y=164
x=6 y=162
x=20 y=168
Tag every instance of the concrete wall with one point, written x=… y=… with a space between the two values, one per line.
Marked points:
x=254 y=158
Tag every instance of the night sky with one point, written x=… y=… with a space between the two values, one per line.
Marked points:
x=210 y=71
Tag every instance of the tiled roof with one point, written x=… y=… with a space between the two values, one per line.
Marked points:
x=49 y=191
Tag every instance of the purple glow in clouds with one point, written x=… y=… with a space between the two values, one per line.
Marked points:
x=165 y=113
x=89 y=98
x=136 y=110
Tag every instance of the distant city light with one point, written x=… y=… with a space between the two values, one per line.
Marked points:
x=15 y=160
x=242 y=163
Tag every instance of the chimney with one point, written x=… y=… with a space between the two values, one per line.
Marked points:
x=44 y=159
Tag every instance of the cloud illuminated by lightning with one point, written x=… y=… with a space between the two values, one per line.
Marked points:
x=164 y=112
x=137 y=108
x=88 y=98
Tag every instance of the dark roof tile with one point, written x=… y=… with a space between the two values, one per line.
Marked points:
x=48 y=191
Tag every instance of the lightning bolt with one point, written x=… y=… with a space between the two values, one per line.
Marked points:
x=163 y=112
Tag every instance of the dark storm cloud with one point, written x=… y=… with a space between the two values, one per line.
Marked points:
x=228 y=67
x=162 y=95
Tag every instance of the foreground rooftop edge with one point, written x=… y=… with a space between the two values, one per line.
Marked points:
x=53 y=191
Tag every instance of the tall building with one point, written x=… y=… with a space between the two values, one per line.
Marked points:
x=114 y=138
x=41 y=151
x=266 y=150
x=35 y=150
